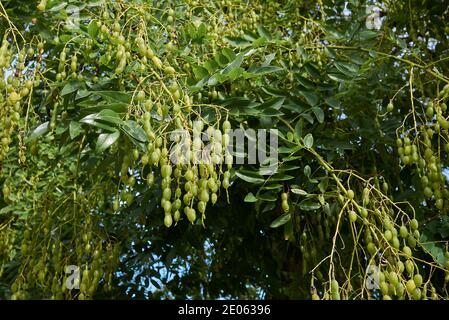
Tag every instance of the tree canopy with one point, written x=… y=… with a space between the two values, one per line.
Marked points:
x=92 y=93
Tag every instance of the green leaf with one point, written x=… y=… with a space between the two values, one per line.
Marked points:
x=117 y=107
x=311 y=98
x=308 y=140
x=267 y=196
x=289 y=167
x=274 y=186
x=115 y=96
x=235 y=73
x=299 y=191
x=281 y=220
x=368 y=34
x=312 y=70
x=217 y=78
x=268 y=59
x=237 y=42
x=260 y=71
x=81 y=94
x=308 y=205
x=298 y=129
x=229 y=54
x=199 y=72
x=319 y=114
x=57 y=7
x=330 y=52
x=90 y=120
x=221 y=59
x=308 y=117
x=250 y=198
x=437 y=252
x=105 y=115
x=202 y=31
x=211 y=66
x=132 y=129
x=289 y=233
x=74 y=129
x=339 y=77
x=263 y=32
x=344 y=69
x=323 y=184
x=350 y=67
x=105 y=140
x=95 y=3
x=305 y=82
x=259 y=42
x=70 y=87
x=307 y=171
x=250 y=36
x=234 y=64
x=334 y=103
x=291 y=158
x=281 y=177
x=109 y=116
x=92 y=29
x=249 y=176
x=273 y=91
x=40 y=130
x=274 y=103
x=296 y=105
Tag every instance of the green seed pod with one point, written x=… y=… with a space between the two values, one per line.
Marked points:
x=390 y=106
x=429 y=112
x=150 y=179
x=371 y=248
x=418 y=279
x=388 y=235
x=140 y=97
x=204 y=195
x=414 y=224
x=395 y=242
x=166 y=194
x=352 y=216
x=202 y=207
x=407 y=251
x=177 y=216
x=285 y=206
x=166 y=170
x=403 y=232
x=409 y=266
x=410 y=286
x=411 y=241
x=191 y=214
x=167 y=206
x=168 y=220
x=214 y=198
x=350 y=194
x=364 y=212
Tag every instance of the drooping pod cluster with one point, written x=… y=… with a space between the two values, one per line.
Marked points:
x=390 y=238
x=16 y=84
x=423 y=149
x=193 y=165
x=65 y=257
x=387 y=233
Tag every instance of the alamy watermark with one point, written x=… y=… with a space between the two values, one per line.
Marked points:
x=373 y=20
x=372 y=278
x=73 y=278
x=73 y=17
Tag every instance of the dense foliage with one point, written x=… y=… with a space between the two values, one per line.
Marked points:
x=92 y=91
